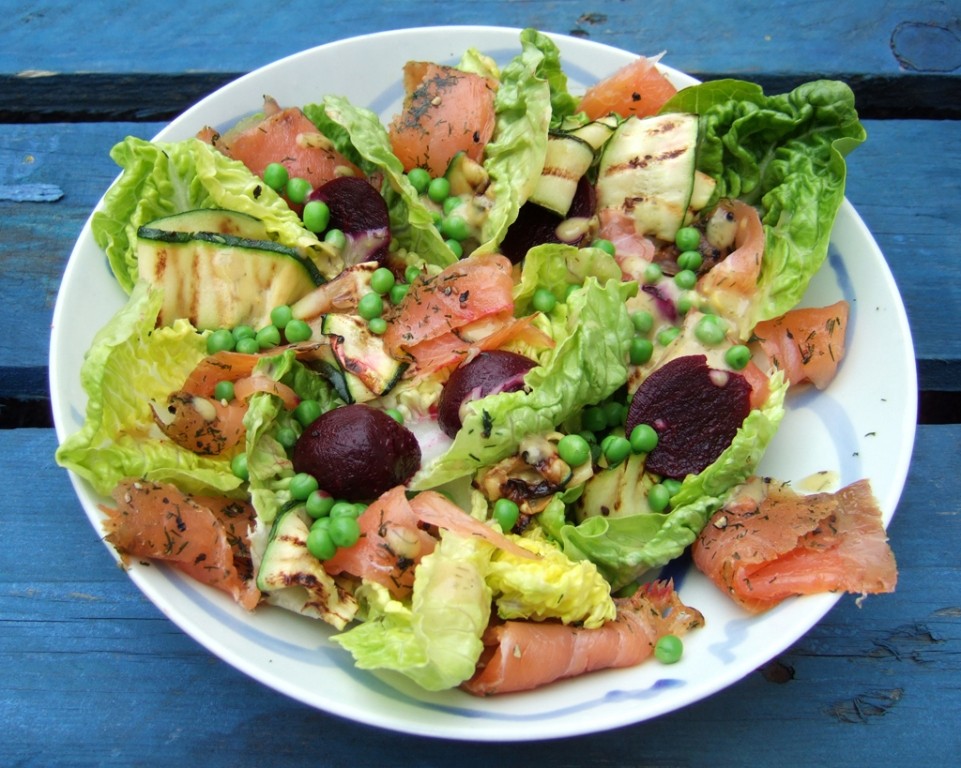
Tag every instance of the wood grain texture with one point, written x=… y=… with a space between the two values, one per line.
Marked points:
x=95 y=675
x=760 y=36
x=891 y=182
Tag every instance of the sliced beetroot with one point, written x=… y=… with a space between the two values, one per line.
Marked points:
x=664 y=303
x=536 y=225
x=488 y=373
x=695 y=410
x=357 y=452
x=358 y=210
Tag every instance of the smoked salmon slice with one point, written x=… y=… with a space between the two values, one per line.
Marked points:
x=771 y=543
x=286 y=136
x=205 y=537
x=446 y=111
x=638 y=88
x=467 y=291
x=524 y=655
x=806 y=343
x=392 y=543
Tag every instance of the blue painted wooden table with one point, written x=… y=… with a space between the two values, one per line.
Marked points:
x=93 y=674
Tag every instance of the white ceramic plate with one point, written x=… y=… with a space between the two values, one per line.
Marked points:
x=862 y=426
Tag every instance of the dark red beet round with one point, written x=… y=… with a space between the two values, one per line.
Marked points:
x=536 y=225
x=357 y=452
x=695 y=410
x=488 y=373
x=359 y=211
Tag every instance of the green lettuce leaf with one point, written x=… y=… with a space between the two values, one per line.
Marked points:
x=623 y=548
x=411 y=223
x=164 y=178
x=785 y=155
x=588 y=364
x=557 y=267
x=436 y=640
x=515 y=155
x=130 y=364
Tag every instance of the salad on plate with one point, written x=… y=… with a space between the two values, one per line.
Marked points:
x=460 y=382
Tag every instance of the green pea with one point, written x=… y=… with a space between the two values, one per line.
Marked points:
x=344 y=531
x=672 y=485
x=411 y=273
x=615 y=413
x=321 y=522
x=669 y=649
x=450 y=204
x=642 y=320
x=287 y=437
x=268 y=336
x=224 y=390
x=221 y=340
x=248 y=346
x=370 y=306
x=307 y=411
x=455 y=228
x=710 y=330
x=320 y=543
x=687 y=238
x=298 y=190
x=395 y=414
x=238 y=465
x=276 y=176
x=574 y=450
x=243 y=332
x=456 y=248
x=686 y=279
x=281 y=315
x=506 y=513
x=398 y=292
x=616 y=449
x=667 y=335
x=297 y=330
x=316 y=215
x=652 y=273
x=594 y=419
x=419 y=179
x=302 y=485
x=738 y=357
x=343 y=509
x=658 y=497
x=690 y=260
x=643 y=438
x=640 y=350
x=685 y=302
x=377 y=325
x=605 y=245
x=336 y=238
x=438 y=190
x=570 y=291
x=319 y=504
x=382 y=280
x=544 y=300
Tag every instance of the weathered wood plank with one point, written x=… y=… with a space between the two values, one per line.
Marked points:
x=877 y=37
x=891 y=181
x=95 y=675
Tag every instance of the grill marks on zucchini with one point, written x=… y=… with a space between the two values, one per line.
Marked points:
x=215 y=278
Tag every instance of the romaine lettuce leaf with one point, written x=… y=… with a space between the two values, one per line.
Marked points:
x=163 y=178
x=588 y=364
x=436 y=639
x=130 y=364
x=552 y=586
x=515 y=156
x=556 y=267
x=785 y=155
x=411 y=223
x=625 y=547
